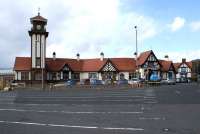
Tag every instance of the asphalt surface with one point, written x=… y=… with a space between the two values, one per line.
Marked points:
x=173 y=109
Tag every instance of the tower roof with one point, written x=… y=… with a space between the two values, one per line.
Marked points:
x=38 y=18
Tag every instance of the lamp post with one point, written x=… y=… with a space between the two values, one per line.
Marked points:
x=136 y=53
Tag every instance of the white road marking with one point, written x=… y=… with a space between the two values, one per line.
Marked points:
x=177 y=92
x=42 y=100
x=72 y=126
x=150 y=102
x=153 y=118
x=70 y=112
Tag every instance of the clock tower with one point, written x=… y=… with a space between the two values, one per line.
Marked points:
x=38 y=36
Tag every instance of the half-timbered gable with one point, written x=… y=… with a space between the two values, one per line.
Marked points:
x=148 y=65
x=151 y=63
x=183 y=70
x=109 y=71
x=109 y=67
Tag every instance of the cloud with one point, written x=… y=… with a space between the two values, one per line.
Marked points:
x=88 y=28
x=177 y=24
x=195 y=26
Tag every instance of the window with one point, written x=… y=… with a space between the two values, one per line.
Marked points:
x=24 y=75
x=54 y=76
x=38 y=62
x=93 y=75
x=121 y=76
x=132 y=75
x=76 y=76
x=38 y=76
x=183 y=70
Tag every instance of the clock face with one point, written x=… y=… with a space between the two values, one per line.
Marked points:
x=38 y=27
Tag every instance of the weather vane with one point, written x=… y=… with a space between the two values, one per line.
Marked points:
x=38 y=11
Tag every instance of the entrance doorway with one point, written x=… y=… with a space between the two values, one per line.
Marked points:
x=65 y=75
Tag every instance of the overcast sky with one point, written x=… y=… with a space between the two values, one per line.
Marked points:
x=89 y=27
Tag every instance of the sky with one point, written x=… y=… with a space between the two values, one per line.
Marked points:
x=89 y=27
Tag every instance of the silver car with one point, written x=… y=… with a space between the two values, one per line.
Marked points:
x=169 y=81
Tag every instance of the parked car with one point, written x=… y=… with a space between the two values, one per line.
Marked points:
x=134 y=81
x=122 y=82
x=154 y=77
x=107 y=82
x=95 y=82
x=169 y=81
x=70 y=83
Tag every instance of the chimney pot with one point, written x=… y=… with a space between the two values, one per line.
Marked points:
x=183 y=60
x=54 y=55
x=167 y=57
x=78 y=56
x=101 y=56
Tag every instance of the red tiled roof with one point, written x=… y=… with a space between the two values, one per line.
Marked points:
x=93 y=65
x=83 y=65
x=124 y=64
x=165 y=65
x=22 y=64
x=189 y=64
x=143 y=56
x=177 y=65
x=59 y=63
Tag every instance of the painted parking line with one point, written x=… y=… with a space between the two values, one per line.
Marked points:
x=71 y=126
x=72 y=112
x=82 y=97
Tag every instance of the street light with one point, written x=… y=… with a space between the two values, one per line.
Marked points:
x=136 y=53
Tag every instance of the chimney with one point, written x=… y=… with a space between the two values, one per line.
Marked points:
x=183 y=60
x=78 y=56
x=166 y=57
x=54 y=55
x=101 y=56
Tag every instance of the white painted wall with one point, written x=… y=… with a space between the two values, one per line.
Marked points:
x=19 y=75
x=141 y=71
x=61 y=75
x=70 y=74
x=38 y=46
x=33 y=51
x=84 y=75
x=99 y=76
x=43 y=54
x=126 y=75
x=178 y=76
x=29 y=74
x=15 y=75
x=57 y=76
x=189 y=75
x=117 y=76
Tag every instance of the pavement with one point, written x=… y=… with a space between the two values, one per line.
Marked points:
x=167 y=109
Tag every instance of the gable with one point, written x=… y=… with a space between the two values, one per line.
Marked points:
x=152 y=62
x=183 y=65
x=108 y=67
x=66 y=68
x=151 y=58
